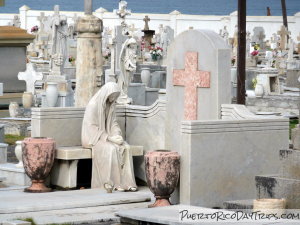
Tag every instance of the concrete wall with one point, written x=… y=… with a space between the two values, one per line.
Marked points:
x=179 y=22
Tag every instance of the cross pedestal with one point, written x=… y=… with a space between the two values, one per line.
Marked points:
x=192 y=79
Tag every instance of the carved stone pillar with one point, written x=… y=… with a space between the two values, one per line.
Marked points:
x=89 y=59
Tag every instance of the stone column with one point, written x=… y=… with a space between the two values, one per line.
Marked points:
x=23 y=16
x=89 y=59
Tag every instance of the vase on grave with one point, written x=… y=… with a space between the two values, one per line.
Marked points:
x=18 y=153
x=27 y=100
x=38 y=157
x=52 y=94
x=13 y=109
x=259 y=90
x=162 y=173
x=145 y=76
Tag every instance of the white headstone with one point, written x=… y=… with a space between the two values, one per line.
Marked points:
x=30 y=76
x=259 y=36
x=198 y=80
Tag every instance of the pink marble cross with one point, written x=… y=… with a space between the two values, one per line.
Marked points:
x=191 y=78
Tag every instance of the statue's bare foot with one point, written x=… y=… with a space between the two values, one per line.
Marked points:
x=132 y=189
x=119 y=189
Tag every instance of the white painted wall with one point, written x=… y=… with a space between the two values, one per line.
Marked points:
x=179 y=22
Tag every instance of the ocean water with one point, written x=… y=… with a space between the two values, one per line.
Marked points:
x=196 y=7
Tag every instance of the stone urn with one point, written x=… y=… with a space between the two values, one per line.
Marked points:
x=18 y=153
x=13 y=109
x=259 y=90
x=38 y=157
x=145 y=76
x=27 y=100
x=52 y=94
x=162 y=173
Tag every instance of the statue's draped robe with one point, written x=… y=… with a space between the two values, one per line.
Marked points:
x=111 y=162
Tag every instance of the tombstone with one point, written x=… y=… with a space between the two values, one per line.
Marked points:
x=122 y=12
x=259 y=36
x=274 y=41
x=292 y=78
x=224 y=34
x=158 y=35
x=283 y=32
x=30 y=76
x=71 y=28
x=198 y=80
x=42 y=38
x=13 y=43
x=166 y=39
x=148 y=34
x=120 y=38
x=59 y=36
x=16 y=21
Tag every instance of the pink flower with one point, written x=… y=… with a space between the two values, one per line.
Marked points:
x=254 y=53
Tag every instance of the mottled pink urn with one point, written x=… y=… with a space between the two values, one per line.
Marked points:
x=162 y=172
x=38 y=157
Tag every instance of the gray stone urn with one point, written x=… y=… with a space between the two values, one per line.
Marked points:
x=145 y=76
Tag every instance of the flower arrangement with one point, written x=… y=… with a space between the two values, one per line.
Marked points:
x=233 y=59
x=34 y=29
x=155 y=52
x=255 y=53
x=107 y=54
x=72 y=59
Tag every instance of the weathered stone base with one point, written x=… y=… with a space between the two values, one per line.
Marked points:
x=279 y=103
x=14 y=175
x=278 y=187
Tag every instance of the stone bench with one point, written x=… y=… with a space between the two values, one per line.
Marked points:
x=64 y=171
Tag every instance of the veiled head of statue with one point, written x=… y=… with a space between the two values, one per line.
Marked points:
x=110 y=92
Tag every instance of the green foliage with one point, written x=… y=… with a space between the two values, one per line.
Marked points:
x=11 y=139
x=30 y=220
x=293 y=124
x=254 y=82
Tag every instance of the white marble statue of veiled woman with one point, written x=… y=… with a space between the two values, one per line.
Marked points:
x=112 y=160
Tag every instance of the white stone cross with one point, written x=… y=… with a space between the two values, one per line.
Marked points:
x=42 y=19
x=30 y=76
x=122 y=12
x=16 y=21
x=283 y=37
x=132 y=30
x=146 y=20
